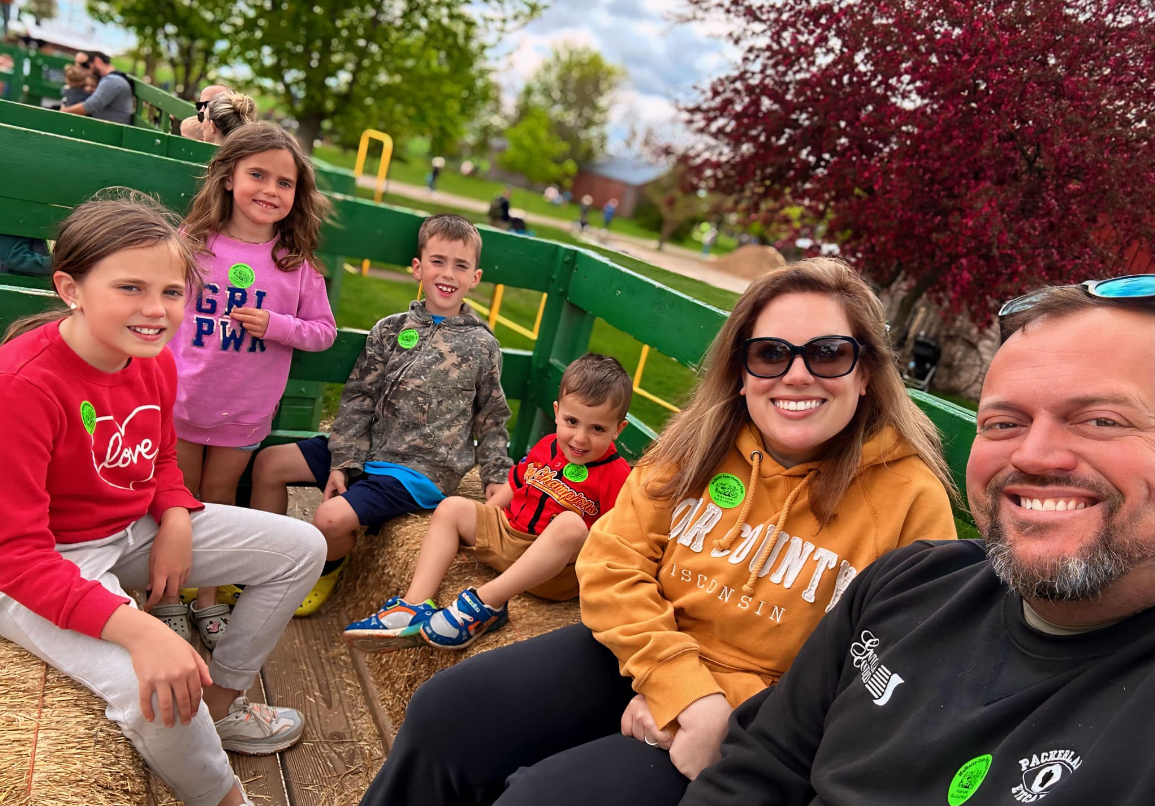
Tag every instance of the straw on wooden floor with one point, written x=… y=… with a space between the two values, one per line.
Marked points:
x=382 y=565
x=57 y=748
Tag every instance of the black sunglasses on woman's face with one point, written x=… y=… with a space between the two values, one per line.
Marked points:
x=825 y=356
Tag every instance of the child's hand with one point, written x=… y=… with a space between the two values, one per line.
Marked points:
x=169 y=666
x=165 y=664
x=492 y=490
x=335 y=485
x=637 y=721
x=255 y=320
x=170 y=558
x=701 y=729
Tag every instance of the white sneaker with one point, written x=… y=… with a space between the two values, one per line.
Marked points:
x=259 y=730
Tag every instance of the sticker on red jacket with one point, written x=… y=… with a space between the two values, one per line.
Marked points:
x=124 y=453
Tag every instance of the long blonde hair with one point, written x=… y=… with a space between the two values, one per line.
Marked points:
x=299 y=232
x=111 y=221
x=696 y=441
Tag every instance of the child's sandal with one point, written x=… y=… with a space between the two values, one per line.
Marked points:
x=175 y=617
x=211 y=623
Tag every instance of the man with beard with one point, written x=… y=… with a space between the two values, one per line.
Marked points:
x=1008 y=671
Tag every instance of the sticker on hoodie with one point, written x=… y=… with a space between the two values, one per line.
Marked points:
x=727 y=490
x=407 y=338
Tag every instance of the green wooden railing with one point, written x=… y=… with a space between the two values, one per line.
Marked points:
x=581 y=286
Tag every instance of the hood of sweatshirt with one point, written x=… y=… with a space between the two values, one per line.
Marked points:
x=464 y=318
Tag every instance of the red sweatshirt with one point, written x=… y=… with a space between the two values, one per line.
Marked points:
x=546 y=485
x=89 y=453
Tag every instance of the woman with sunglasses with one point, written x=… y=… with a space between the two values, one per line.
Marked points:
x=799 y=460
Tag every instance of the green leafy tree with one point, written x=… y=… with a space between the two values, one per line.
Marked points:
x=40 y=10
x=184 y=33
x=412 y=67
x=575 y=87
x=535 y=152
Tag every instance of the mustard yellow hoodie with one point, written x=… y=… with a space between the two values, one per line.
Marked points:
x=664 y=589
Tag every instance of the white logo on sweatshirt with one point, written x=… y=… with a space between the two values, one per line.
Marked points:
x=124 y=453
x=1042 y=772
x=879 y=680
x=787 y=558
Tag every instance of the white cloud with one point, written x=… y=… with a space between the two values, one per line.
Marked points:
x=664 y=60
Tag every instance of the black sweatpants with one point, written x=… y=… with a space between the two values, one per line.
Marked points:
x=537 y=723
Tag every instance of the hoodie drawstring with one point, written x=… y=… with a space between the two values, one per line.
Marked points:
x=747 y=502
x=768 y=544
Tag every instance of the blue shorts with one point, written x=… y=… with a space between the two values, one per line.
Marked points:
x=375 y=499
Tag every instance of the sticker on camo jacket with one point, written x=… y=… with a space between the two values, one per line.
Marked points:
x=727 y=490
x=241 y=275
x=88 y=416
x=575 y=473
x=407 y=338
x=966 y=781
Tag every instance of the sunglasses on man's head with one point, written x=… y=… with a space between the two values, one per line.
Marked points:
x=1126 y=288
x=825 y=356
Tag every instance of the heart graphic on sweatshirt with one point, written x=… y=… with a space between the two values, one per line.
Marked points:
x=124 y=454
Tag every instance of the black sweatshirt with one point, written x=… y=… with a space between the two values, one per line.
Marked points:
x=926 y=687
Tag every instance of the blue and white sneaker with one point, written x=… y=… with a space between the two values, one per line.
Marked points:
x=396 y=625
x=463 y=622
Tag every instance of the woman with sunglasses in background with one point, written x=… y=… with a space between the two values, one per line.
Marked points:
x=799 y=460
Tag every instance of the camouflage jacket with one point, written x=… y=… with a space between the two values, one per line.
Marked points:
x=419 y=395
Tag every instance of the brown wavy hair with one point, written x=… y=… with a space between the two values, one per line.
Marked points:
x=110 y=221
x=697 y=439
x=298 y=232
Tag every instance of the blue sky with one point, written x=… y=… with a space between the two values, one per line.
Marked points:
x=663 y=60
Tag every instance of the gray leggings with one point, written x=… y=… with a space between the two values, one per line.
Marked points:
x=277 y=558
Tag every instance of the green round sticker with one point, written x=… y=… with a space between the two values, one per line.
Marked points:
x=966 y=781
x=88 y=416
x=575 y=473
x=241 y=275
x=407 y=338
x=727 y=490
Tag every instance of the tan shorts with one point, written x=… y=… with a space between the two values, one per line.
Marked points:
x=499 y=545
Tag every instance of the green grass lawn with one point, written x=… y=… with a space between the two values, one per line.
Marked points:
x=414 y=172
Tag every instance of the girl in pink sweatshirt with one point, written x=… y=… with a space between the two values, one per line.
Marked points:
x=254 y=227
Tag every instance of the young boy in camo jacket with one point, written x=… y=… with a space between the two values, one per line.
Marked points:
x=426 y=385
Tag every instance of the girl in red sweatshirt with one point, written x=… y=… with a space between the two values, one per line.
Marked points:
x=94 y=504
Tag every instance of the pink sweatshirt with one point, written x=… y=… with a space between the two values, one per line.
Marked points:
x=229 y=381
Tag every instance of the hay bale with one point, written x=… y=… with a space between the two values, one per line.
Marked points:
x=750 y=261
x=382 y=565
x=57 y=748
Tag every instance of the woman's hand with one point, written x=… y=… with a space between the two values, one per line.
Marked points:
x=637 y=721
x=255 y=320
x=165 y=665
x=337 y=484
x=170 y=558
x=701 y=728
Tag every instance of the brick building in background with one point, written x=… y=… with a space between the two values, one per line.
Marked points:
x=620 y=178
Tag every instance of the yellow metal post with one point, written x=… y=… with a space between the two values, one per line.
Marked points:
x=638 y=382
x=540 y=312
x=495 y=306
x=382 y=169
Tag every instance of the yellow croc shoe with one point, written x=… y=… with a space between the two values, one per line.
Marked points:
x=321 y=591
x=188 y=595
x=228 y=594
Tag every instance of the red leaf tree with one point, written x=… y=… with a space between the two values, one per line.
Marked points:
x=964 y=150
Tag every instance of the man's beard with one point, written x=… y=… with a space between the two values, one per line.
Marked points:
x=1112 y=553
